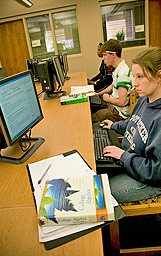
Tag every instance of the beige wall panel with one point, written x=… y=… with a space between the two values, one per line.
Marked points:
x=128 y=54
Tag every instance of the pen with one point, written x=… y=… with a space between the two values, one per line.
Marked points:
x=44 y=174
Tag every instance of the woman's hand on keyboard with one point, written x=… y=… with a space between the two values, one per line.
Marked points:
x=107 y=124
x=113 y=151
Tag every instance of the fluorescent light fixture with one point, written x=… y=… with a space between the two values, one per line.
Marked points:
x=26 y=3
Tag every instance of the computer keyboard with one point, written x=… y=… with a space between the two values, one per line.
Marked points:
x=101 y=140
x=95 y=99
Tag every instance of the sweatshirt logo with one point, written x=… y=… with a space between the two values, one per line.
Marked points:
x=140 y=128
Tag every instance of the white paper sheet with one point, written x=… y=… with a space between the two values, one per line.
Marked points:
x=87 y=89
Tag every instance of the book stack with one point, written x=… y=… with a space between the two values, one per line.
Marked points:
x=76 y=200
x=70 y=198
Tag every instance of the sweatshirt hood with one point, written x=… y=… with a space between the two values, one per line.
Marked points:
x=156 y=104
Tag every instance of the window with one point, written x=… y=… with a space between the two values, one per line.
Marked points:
x=126 y=22
x=65 y=34
x=40 y=36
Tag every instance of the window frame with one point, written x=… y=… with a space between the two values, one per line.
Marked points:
x=50 y=13
x=113 y=2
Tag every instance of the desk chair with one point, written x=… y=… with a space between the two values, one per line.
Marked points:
x=143 y=207
x=132 y=99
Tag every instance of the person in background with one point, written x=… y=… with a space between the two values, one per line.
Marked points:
x=104 y=77
x=140 y=152
x=116 y=95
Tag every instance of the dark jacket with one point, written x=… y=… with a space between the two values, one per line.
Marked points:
x=104 y=78
x=142 y=141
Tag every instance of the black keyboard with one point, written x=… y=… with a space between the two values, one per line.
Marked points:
x=101 y=140
x=95 y=99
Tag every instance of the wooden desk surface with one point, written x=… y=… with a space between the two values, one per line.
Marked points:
x=64 y=128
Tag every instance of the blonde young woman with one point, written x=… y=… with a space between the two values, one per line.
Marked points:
x=140 y=152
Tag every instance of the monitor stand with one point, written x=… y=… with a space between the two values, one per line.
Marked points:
x=54 y=95
x=13 y=160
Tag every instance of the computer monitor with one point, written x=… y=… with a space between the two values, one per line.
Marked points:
x=64 y=62
x=20 y=111
x=51 y=77
x=58 y=71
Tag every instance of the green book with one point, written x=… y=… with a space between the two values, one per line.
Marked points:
x=75 y=98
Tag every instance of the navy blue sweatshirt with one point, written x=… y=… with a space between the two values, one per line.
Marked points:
x=142 y=142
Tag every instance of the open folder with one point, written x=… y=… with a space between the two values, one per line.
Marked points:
x=67 y=164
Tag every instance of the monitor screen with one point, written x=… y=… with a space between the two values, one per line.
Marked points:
x=19 y=106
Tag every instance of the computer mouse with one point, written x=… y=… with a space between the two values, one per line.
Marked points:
x=101 y=125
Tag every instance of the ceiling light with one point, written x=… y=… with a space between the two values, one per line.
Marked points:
x=26 y=3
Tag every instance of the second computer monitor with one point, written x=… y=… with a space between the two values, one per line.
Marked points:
x=58 y=71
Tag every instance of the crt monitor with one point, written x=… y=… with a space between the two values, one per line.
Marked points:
x=64 y=62
x=20 y=111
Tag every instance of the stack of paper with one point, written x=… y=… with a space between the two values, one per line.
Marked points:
x=87 y=89
x=71 y=164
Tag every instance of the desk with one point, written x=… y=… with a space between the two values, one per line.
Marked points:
x=64 y=128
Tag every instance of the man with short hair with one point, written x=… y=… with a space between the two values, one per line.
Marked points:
x=117 y=95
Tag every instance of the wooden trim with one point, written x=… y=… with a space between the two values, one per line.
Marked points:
x=148 y=251
x=143 y=209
